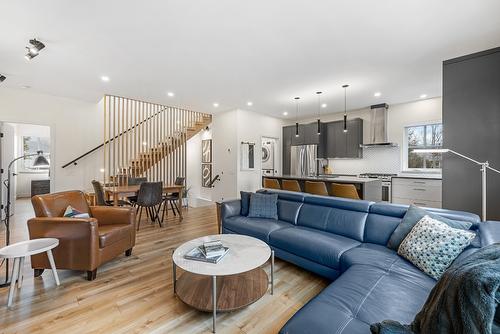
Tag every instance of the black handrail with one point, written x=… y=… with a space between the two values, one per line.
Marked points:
x=73 y=162
x=211 y=183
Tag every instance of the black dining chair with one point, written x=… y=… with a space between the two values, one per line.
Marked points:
x=135 y=181
x=172 y=199
x=99 y=196
x=150 y=196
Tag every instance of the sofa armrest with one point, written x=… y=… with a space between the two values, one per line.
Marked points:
x=490 y=232
x=107 y=215
x=78 y=242
x=230 y=208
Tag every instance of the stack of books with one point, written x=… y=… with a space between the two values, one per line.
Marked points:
x=212 y=252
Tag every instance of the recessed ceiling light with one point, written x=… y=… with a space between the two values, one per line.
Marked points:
x=285 y=113
x=324 y=105
x=170 y=94
x=249 y=103
x=105 y=78
x=377 y=94
x=25 y=87
x=102 y=170
x=215 y=104
x=423 y=96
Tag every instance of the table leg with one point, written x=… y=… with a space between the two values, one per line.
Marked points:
x=214 y=302
x=272 y=272
x=15 y=273
x=20 y=275
x=53 y=266
x=180 y=203
x=174 y=275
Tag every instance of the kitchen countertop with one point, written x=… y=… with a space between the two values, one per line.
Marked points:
x=333 y=178
x=419 y=176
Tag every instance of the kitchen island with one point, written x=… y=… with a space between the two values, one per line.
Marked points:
x=368 y=189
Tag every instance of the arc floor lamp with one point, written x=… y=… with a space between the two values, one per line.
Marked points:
x=484 y=166
x=40 y=161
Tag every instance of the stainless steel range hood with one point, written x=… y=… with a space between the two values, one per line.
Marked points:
x=378 y=127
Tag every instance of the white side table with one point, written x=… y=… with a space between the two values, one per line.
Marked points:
x=19 y=251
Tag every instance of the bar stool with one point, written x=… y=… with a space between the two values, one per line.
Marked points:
x=345 y=190
x=271 y=183
x=317 y=188
x=291 y=185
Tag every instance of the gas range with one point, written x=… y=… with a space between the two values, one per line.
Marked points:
x=380 y=176
x=386 y=183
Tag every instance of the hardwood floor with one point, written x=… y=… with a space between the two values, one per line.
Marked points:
x=134 y=294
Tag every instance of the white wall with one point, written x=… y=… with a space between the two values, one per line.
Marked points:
x=229 y=129
x=75 y=127
x=225 y=155
x=378 y=159
x=251 y=128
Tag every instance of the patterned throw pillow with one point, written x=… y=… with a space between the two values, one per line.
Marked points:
x=432 y=245
x=263 y=206
x=411 y=218
x=74 y=213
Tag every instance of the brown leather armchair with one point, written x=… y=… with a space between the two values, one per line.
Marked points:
x=84 y=243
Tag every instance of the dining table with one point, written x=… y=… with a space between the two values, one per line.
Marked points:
x=117 y=192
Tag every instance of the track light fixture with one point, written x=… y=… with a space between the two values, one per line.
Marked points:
x=2 y=78
x=34 y=48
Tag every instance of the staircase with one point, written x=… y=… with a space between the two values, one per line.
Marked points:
x=144 y=139
x=146 y=160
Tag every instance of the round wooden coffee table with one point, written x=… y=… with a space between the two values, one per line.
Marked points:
x=239 y=270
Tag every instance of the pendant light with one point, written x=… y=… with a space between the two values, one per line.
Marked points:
x=345 y=107
x=319 y=112
x=296 y=116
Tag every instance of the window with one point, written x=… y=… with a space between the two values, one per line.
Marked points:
x=423 y=137
x=32 y=145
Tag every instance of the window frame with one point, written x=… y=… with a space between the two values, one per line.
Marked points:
x=406 y=146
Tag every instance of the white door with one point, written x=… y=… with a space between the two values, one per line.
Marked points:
x=7 y=154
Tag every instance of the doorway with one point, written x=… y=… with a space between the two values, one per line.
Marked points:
x=270 y=156
x=22 y=147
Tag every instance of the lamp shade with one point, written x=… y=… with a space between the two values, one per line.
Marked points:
x=40 y=160
x=430 y=150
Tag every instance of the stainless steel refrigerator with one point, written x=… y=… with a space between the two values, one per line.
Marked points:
x=303 y=160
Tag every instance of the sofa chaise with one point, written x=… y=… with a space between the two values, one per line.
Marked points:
x=345 y=241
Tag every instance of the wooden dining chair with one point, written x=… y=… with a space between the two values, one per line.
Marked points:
x=271 y=183
x=317 y=188
x=291 y=185
x=345 y=190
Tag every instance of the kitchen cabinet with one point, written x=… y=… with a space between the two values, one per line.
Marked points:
x=417 y=191
x=340 y=144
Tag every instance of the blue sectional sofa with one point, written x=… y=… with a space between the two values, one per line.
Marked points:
x=345 y=240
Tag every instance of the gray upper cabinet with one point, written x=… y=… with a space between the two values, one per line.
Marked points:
x=354 y=138
x=340 y=144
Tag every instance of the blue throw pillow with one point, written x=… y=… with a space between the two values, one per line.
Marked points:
x=411 y=218
x=263 y=206
x=245 y=202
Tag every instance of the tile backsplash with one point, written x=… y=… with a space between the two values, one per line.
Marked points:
x=375 y=160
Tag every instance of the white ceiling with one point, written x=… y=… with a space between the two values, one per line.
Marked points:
x=231 y=51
